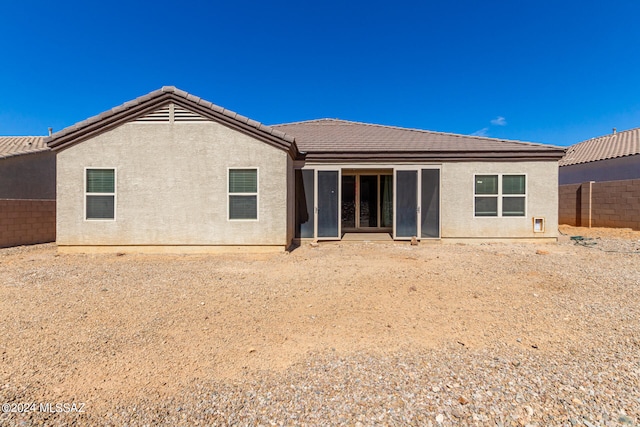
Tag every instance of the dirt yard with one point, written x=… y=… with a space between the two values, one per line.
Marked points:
x=344 y=333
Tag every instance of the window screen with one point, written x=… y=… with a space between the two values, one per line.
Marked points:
x=100 y=194
x=513 y=206
x=486 y=206
x=243 y=181
x=243 y=207
x=513 y=184
x=243 y=194
x=100 y=207
x=486 y=184
x=100 y=181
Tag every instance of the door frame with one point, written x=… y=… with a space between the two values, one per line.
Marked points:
x=357 y=175
x=418 y=169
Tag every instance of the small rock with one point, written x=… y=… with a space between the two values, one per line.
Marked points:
x=576 y=401
x=541 y=252
x=625 y=420
x=252 y=350
x=414 y=241
x=462 y=400
x=439 y=418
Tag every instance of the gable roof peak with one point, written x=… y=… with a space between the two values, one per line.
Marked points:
x=146 y=103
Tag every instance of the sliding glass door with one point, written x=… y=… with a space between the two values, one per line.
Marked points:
x=328 y=203
x=406 y=224
x=417 y=203
x=430 y=203
x=366 y=201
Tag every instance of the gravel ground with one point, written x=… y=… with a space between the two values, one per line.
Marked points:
x=342 y=334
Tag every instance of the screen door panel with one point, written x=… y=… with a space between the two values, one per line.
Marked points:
x=328 y=204
x=406 y=215
x=430 y=203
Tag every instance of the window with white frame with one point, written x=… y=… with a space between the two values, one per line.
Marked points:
x=243 y=194
x=100 y=194
x=500 y=195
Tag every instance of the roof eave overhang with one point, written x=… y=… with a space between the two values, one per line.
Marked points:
x=584 y=162
x=112 y=119
x=434 y=156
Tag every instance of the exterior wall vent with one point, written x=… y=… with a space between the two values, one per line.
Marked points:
x=171 y=113
x=183 y=115
x=160 y=115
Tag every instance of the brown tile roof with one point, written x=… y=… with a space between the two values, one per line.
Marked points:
x=620 y=144
x=16 y=145
x=322 y=140
x=147 y=103
x=326 y=138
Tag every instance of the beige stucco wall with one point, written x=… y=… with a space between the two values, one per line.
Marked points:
x=457 y=200
x=171 y=187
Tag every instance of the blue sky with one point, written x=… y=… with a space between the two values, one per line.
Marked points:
x=556 y=72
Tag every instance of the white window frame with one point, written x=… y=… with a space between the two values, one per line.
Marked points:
x=500 y=195
x=257 y=194
x=114 y=194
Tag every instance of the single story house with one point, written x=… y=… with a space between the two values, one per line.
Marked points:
x=600 y=182
x=170 y=171
x=611 y=157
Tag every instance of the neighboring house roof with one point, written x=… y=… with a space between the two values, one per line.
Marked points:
x=619 y=144
x=17 y=145
x=333 y=139
x=148 y=103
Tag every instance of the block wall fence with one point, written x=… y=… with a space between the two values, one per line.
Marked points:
x=600 y=204
x=27 y=222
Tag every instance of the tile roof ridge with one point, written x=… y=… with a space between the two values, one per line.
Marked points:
x=306 y=121
x=607 y=135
